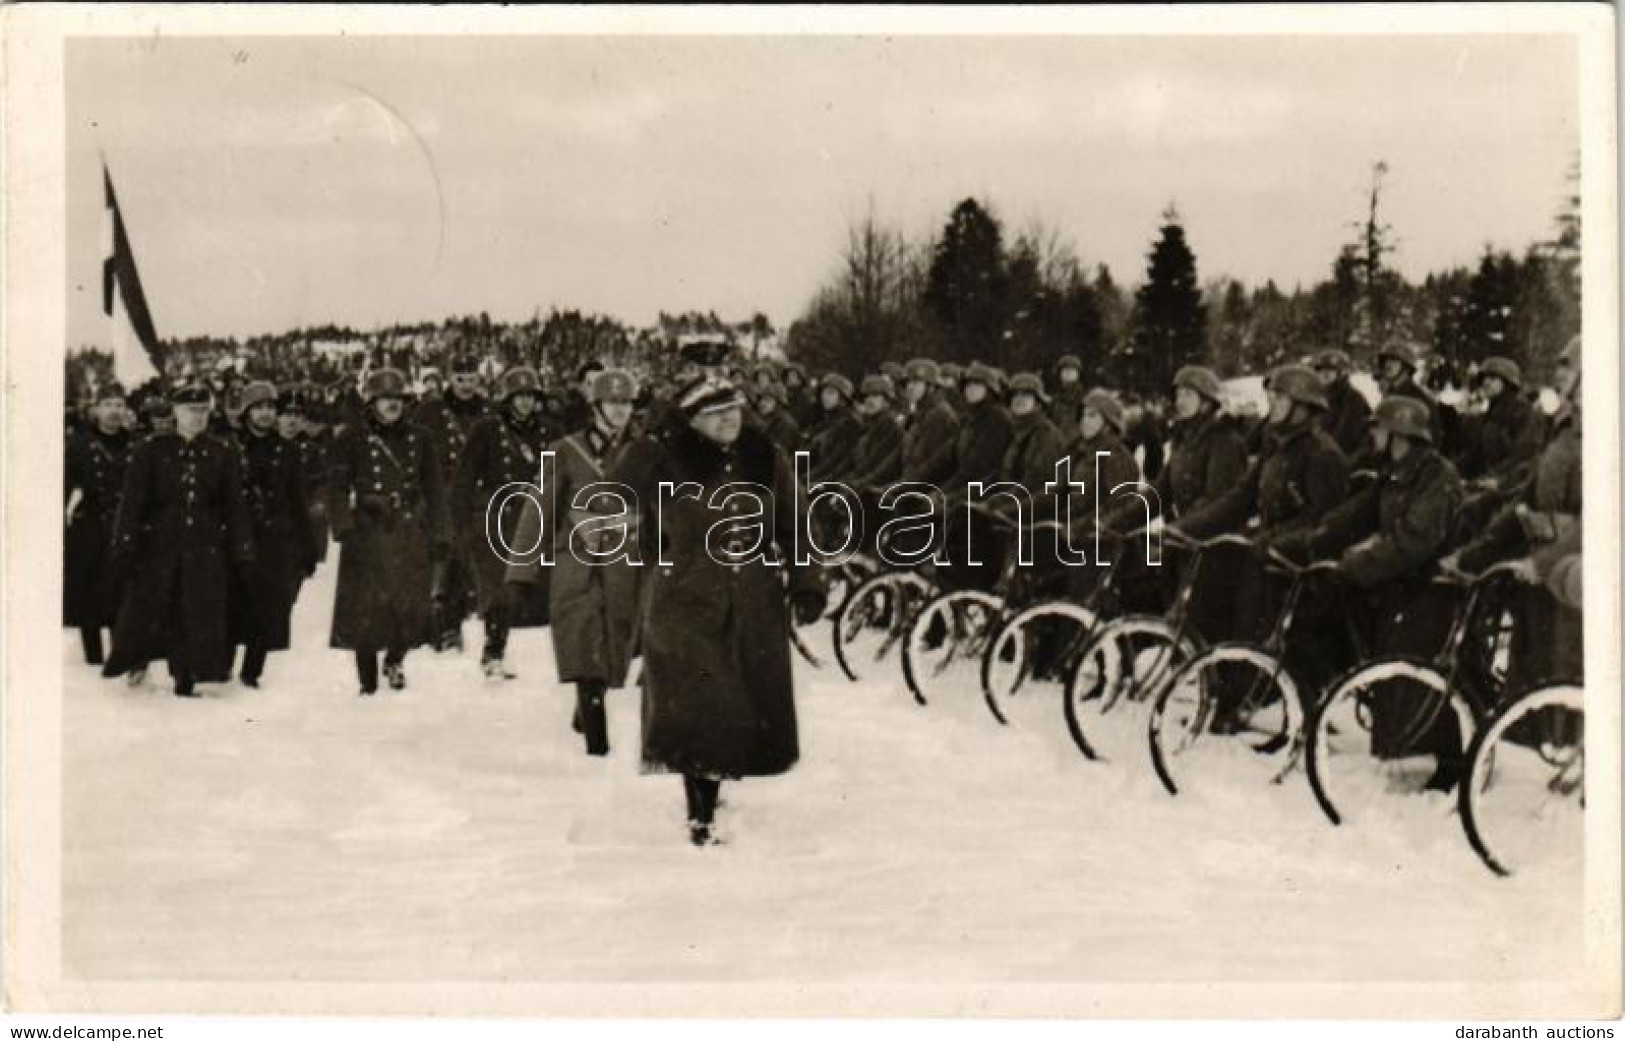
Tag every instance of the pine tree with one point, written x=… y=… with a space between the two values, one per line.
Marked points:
x=1169 y=322
x=965 y=285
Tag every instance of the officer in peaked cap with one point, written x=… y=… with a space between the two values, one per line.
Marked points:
x=183 y=524
x=96 y=456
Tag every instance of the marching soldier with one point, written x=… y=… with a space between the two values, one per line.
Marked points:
x=503 y=449
x=594 y=589
x=448 y=420
x=97 y=456
x=389 y=514
x=274 y=480
x=182 y=525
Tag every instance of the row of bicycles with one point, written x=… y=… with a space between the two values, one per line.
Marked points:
x=1123 y=653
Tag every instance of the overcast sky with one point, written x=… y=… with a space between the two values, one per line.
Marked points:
x=271 y=183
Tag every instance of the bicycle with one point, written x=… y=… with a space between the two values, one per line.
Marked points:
x=1374 y=736
x=1124 y=664
x=1522 y=797
x=1199 y=726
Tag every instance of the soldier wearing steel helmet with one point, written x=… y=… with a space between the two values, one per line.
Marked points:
x=504 y=449
x=773 y=415
x=595 y=584
x=182 y=526
x=930 y=426
x=274 y=481
x=1508 y=434
x=1209 y=456
x=1387 y=540
x=834 y=438
x=1066 y=398
x=387 y=505
x=1035 y=442
x=1300 y=476
x=1347 y=416
x=985 y=432
x=877 y=458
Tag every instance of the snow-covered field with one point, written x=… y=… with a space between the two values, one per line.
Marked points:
x=455 y=831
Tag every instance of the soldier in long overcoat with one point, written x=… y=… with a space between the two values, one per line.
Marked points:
x=1347 y=416
x=833 y=437
x=93 y=477
x=389 y=514
x=274 y=480
x=449 y=419
x=928 y=436
x=718 y=700
x=182 y=526
x=504 y=449
x=595 y=582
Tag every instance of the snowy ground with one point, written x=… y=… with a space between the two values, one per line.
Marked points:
x=456 y=832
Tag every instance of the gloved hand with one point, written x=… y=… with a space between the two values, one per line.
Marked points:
x=807 y=606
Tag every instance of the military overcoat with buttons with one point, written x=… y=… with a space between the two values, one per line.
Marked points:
x=93 y=477
x=502 y=450
x=182 y=525
x=714 y=632
x=593 y=600
x=284 y=541
x=388 y=510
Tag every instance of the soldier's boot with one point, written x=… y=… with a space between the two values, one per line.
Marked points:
x=366 y=670
x=594 y=724
x=136 y=676
x=185 y=684
x=395 y=670
x=90 y=637
x=253 y=666
x=701 y=793
x=496 y=646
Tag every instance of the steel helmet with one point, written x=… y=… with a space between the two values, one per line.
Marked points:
x=892 y=370
x=1105 y=403
x=986 y=375
x=1407 y=353
x=1202 y=380
x=1333 y=358
x=613 y=385
x=255 y=393
x=1069 y=360
x=839 y=382
x=878 y=383
x=923 y=369
x=1298 y=383
x=1405 y=416
x=950 y=371
x=521 y=379
x=1027 y=383
x=383 y=383
x=1504 y=368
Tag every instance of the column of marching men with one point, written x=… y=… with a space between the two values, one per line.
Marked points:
x=191 y=528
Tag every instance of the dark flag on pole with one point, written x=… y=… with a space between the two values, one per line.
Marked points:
x=135 y=341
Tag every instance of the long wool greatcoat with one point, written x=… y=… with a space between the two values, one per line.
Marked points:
x=593 y=603
x=274 y=480
x=182 y=525
x=717 y=684
x=94 y=468
x=388 y=509
x=502 y=450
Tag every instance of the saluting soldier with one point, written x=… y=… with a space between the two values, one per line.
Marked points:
x=93 y=474
x=503 y=449
x=274 y=479
x=389 y=514
x=449 y=419
x=182 y=526
x=596 y=578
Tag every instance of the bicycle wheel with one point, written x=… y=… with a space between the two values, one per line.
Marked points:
x=1383 y=735
x=1027 y=661
x=844 y=579
x=872 y=622
x=1110 y=687
x=943 y=651
x=1232 y=712
x=1523 y=798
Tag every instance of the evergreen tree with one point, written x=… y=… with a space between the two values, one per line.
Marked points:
x=1169 y=322
x=965 y=284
